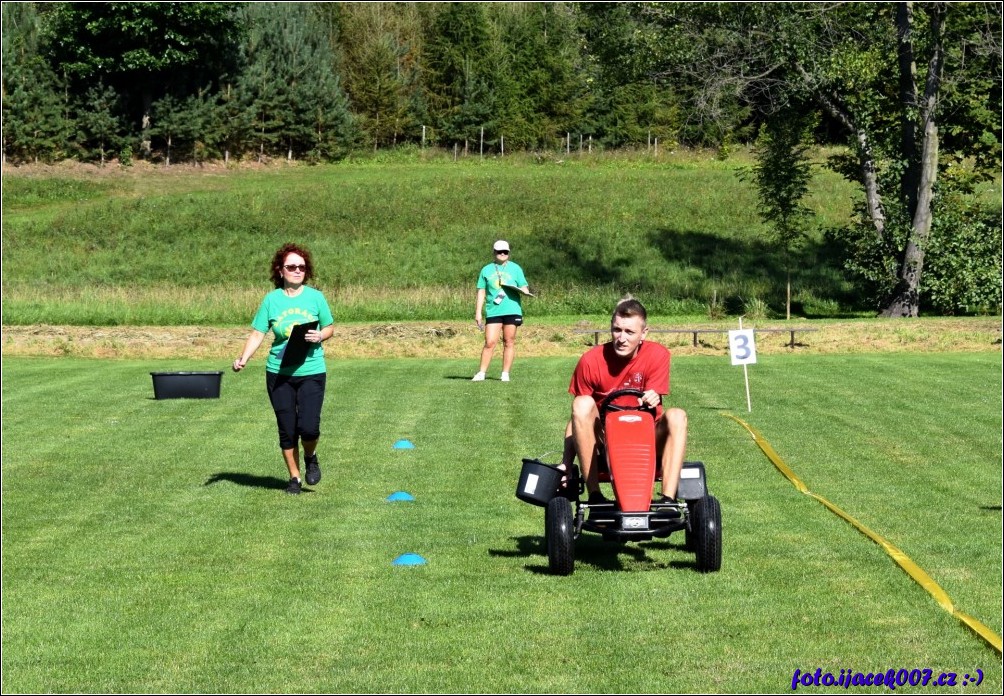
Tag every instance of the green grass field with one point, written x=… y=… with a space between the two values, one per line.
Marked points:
x=148 y=545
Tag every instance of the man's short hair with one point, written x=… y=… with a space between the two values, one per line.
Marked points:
x=630 y=307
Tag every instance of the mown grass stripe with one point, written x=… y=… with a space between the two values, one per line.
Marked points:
x=901 y=559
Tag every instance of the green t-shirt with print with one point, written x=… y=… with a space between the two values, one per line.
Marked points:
x=279 y=313
x=492 y=279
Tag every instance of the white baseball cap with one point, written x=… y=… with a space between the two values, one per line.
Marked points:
x=501 y=245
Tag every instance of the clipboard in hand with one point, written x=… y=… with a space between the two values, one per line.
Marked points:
x=519 y=290
x=296 y=348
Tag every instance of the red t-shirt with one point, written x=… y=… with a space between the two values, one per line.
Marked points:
x=601 y=371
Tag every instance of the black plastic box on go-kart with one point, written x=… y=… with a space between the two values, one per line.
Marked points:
x=538 y=482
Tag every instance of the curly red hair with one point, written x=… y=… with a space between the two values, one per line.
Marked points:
x=280 y=259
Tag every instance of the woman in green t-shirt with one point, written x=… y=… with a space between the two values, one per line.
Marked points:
x=501 y=285
x=295 y=387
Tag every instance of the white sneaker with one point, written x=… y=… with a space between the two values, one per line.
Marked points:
x=505 y=376
x=480 y=377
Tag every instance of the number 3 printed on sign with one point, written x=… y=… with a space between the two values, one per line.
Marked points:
x=743 y=347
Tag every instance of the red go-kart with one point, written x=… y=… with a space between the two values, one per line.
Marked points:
x=628 y=462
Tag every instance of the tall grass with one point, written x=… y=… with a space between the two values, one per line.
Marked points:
x=676 y=233
x=149 y=547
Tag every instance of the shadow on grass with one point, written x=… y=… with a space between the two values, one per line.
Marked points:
x=603 y=555
x=249 y=480
x=526 y=546
x=698 y=261
x=814 y=264
x=615 y=555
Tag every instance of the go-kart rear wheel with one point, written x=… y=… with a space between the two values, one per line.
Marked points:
x=560 y=535
x=706 y=534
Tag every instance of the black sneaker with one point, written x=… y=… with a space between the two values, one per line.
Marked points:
x=294 y=486
x=597 y=498
x=313 y=470
x=667 y=499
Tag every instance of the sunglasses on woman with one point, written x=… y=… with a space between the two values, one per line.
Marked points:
x=294 y=267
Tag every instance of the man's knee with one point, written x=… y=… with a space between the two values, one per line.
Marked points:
x=675 y=420
x=584 y=408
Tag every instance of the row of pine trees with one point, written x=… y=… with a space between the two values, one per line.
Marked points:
x=192 y=82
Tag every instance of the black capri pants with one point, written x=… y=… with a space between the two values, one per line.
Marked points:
x=297 y=404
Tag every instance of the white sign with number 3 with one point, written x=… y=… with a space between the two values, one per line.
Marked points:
x=743 y=347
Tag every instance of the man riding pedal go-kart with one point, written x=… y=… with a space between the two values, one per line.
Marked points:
x=620 y=434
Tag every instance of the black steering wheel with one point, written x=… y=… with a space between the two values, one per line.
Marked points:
x=607 y=404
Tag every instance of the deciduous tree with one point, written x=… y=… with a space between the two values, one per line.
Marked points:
x=142 y=50
x=883 y=73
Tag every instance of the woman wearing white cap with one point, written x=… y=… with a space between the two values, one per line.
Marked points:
x=503 y=285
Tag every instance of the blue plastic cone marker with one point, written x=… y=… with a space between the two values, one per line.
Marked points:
x=400 y=495
x=404 y=444
x=409 y=559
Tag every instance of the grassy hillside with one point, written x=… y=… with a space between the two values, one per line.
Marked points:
x=403 y=240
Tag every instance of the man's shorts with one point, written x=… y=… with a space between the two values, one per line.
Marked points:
x=506 y=320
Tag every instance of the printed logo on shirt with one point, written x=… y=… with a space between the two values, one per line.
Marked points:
x=634 y=381
x=290 y=318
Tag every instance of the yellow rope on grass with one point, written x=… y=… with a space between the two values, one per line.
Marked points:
x=901 y=559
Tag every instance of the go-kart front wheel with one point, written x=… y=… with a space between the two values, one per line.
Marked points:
x=706 y=534
x=560 y=535
x=690 y=538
